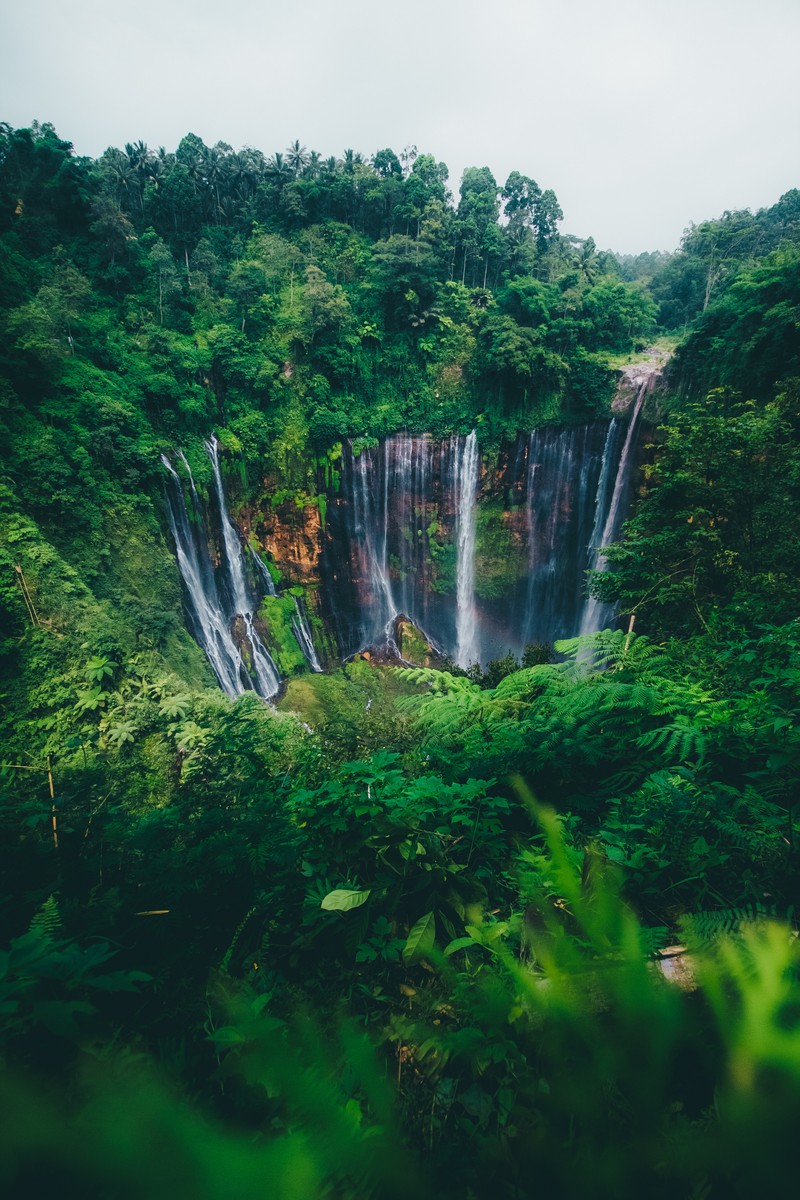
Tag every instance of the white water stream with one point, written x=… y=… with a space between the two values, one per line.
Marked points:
x=596 y=612
x=211 y=628
x=213 y=621
x=465 y=457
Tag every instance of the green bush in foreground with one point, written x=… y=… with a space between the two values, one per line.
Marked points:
x=542 y=1053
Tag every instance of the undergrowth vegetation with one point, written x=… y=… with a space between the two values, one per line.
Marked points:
x=409 y=932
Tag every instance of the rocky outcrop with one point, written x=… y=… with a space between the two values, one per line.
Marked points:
x=633 y=377
x=291 y=536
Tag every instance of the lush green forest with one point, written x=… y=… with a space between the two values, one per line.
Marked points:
x=407 y=931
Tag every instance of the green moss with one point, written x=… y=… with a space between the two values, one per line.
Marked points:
x=363 y=443
x=300 y=498
x=310 y=697
x=499 y=561
x=443 y=555
x=182 y=655
x=413 y=645
x=276 y=613
x=326 y=463
x=323 y=638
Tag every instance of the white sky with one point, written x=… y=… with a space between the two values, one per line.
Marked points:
x=642 y=115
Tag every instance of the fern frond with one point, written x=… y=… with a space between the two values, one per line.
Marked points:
x=46 y=921
x=702 y=929
x=528 y=683
x=439 y=682
x=606 y=650
x=226 y=958
x=678 y=741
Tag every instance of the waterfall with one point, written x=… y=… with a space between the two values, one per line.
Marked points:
x=212 y=620
x=182 y=457
x=371 y=516
x=560 y=481
x=466 y=487
x=547 y=510
x=603 y=483
x=267 y=676
x=232 y=546
x=596 y=613
x=209 y=625
x=376 y=563
x=613 y=521
x=403 y=537
x=300 y=627
x=302 y=633
x=263 y=571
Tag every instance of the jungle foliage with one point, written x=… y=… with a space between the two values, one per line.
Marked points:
x=408 y=932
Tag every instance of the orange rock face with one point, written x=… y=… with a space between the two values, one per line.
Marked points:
x=292 y=537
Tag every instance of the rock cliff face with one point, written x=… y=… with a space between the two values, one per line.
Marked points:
x=482 y=553
x=503 y=557
x=292 y=537
x=646 y=372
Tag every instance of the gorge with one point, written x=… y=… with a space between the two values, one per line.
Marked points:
x=337 y=862
x=484 y=553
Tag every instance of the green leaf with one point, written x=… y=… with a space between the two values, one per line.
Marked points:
x=458 y=944
x=342 y=900
x=228 y=1035
x=420 y=940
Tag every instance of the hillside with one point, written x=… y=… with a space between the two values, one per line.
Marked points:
x=400 y=663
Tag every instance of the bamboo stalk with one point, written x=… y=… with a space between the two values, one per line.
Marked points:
x=53 y=812
x=26 y=595
x=48 y=770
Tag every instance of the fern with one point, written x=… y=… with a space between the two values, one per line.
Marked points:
x=46 y=921
x=528 y=683
x=226 y=958
x=703 y=929
x=678 y=741
x=176 y=708
x=441 y=683
x=609 y=649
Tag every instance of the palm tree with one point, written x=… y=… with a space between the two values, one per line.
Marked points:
x=138 y=154
x=351 y=159
x=241 y=176
x=588 y=264
x=256 y=164
x=278 y=169
x=212 y=172
x=117 y=168
x=139 y=159
x=296 y=157
x=158 y=167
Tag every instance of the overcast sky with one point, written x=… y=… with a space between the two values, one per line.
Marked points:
x=642 y=115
